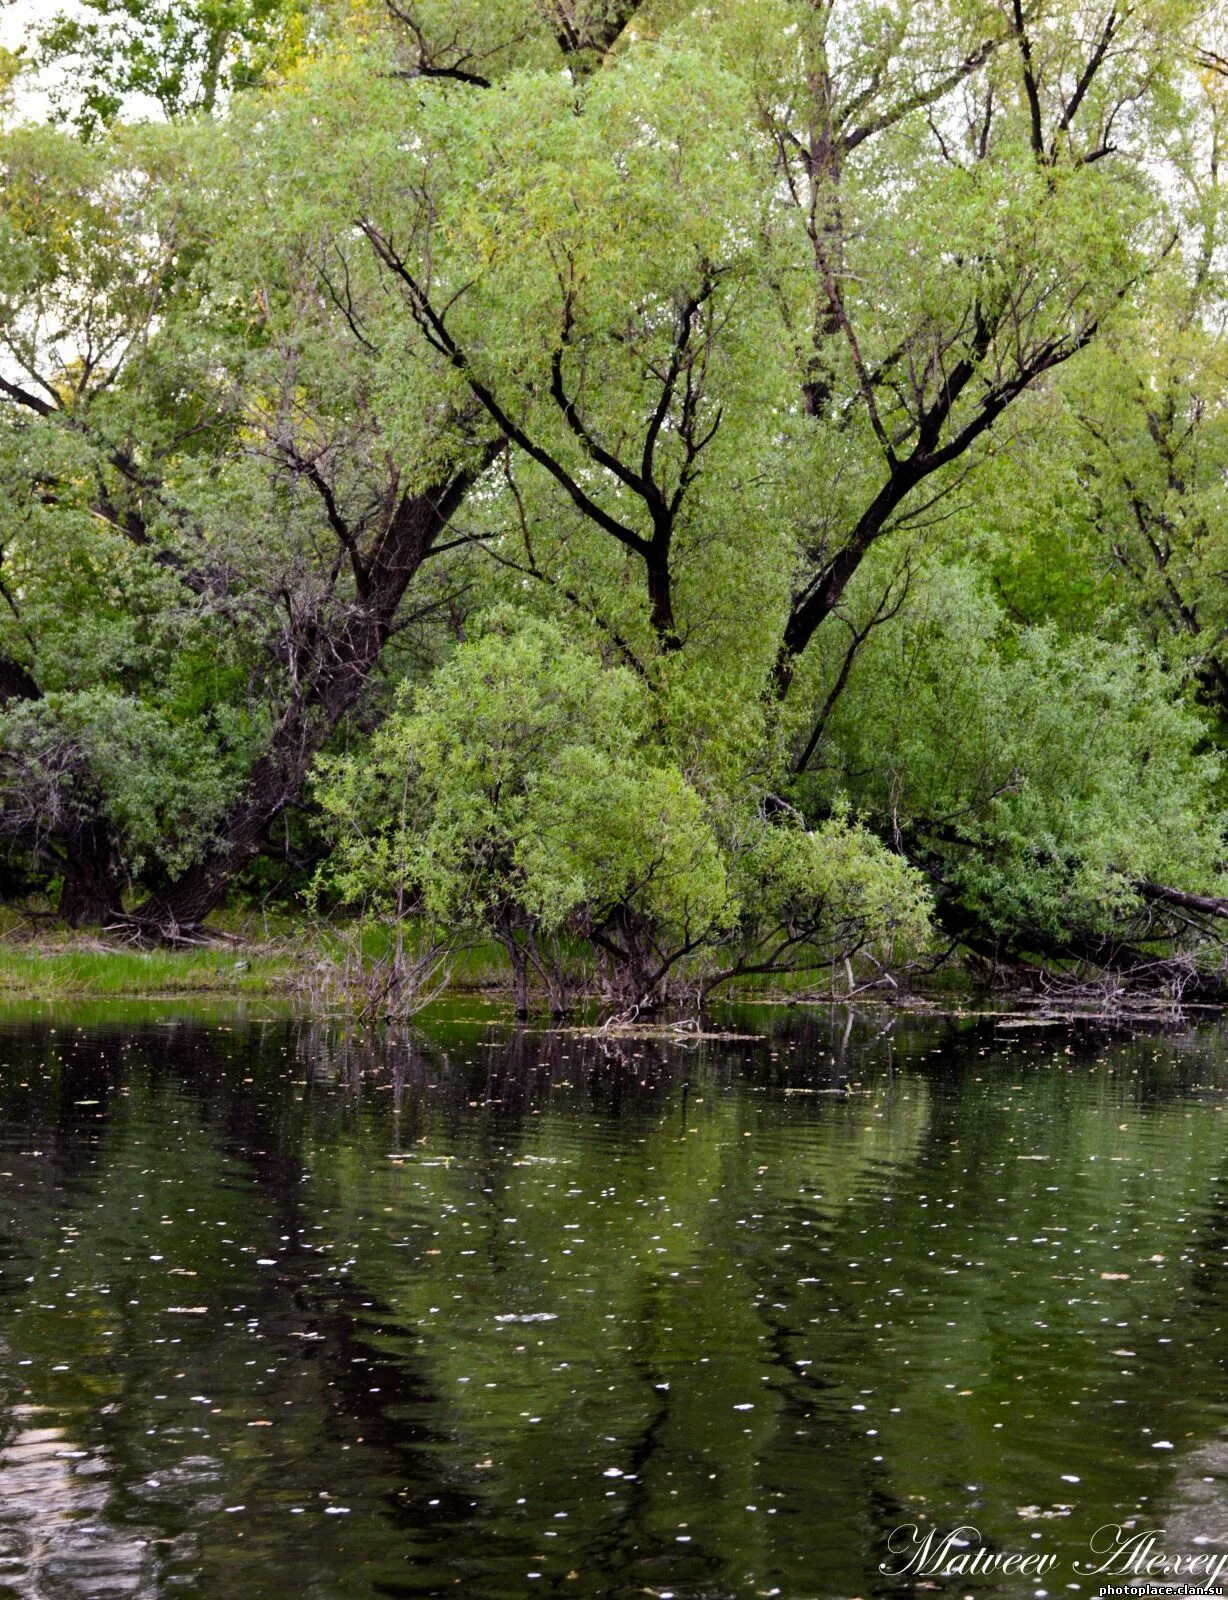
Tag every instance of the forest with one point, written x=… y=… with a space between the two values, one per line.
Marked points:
x=688 y=494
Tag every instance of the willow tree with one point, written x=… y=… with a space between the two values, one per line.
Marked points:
x=665 y=318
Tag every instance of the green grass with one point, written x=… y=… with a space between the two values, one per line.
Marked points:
x=264 y=958
x=480 y=966
x=73 y=969
x=60 y=964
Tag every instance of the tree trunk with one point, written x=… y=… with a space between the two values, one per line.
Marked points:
x=277 y=780
x=660 y=594
x=1209 y=905
x=92 y=890
x=520 y=975
x=343 y=661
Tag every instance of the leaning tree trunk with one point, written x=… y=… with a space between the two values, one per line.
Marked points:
x=276 y=781
x=344 y=659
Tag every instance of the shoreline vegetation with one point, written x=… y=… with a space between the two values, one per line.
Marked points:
x=253 y=959
x=641 y=506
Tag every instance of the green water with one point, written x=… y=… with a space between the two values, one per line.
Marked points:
x=471 y=1312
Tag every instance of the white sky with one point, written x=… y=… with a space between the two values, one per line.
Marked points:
x=16 y=16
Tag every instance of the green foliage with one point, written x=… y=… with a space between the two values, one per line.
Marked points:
x=598 y=433
x=519 y=792
x=832 y=891
x=12 y=65
x=162 y=782
x=522 y=795
x=181 y=57
x=1046 y=776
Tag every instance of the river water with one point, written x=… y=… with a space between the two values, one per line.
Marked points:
x=287 y=1311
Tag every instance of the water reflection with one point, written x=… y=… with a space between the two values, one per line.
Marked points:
x=57 y=1537
x=480 y=1312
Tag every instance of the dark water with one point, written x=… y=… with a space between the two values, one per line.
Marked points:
x=283 y=1313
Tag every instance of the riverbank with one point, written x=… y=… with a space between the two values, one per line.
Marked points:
x=253 y=962
x=253 y=959
x=93 y=970
x=264 y=960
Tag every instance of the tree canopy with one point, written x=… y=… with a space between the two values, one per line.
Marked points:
x=723 y=489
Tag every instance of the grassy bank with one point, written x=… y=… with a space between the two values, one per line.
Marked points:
x=262 y=957
x=259 y=958
x=55 y=971
x=81 y=967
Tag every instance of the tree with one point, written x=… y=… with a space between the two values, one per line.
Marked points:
x=1047 y=783
x=696 y=335
x=145 y=407
x=182 y=58
x=523 y=797
x=174 y=366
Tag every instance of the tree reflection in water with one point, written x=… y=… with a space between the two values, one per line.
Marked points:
x=413 y=1313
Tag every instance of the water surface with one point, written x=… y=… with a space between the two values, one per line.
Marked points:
x=473 y=1312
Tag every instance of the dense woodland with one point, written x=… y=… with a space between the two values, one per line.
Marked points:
x=682 y=491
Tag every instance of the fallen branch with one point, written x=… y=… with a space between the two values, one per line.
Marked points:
x=1208 y=905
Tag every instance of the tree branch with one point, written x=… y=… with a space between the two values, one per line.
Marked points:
x=433 y=326
x=1084 y=84
x=1029 y=81
x=23 y=397
x=920 y=100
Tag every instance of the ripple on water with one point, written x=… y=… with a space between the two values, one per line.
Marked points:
x=281 y=1308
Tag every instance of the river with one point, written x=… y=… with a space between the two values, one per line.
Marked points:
x=289 y=1311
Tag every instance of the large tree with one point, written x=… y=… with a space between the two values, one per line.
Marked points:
x=690 y=328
